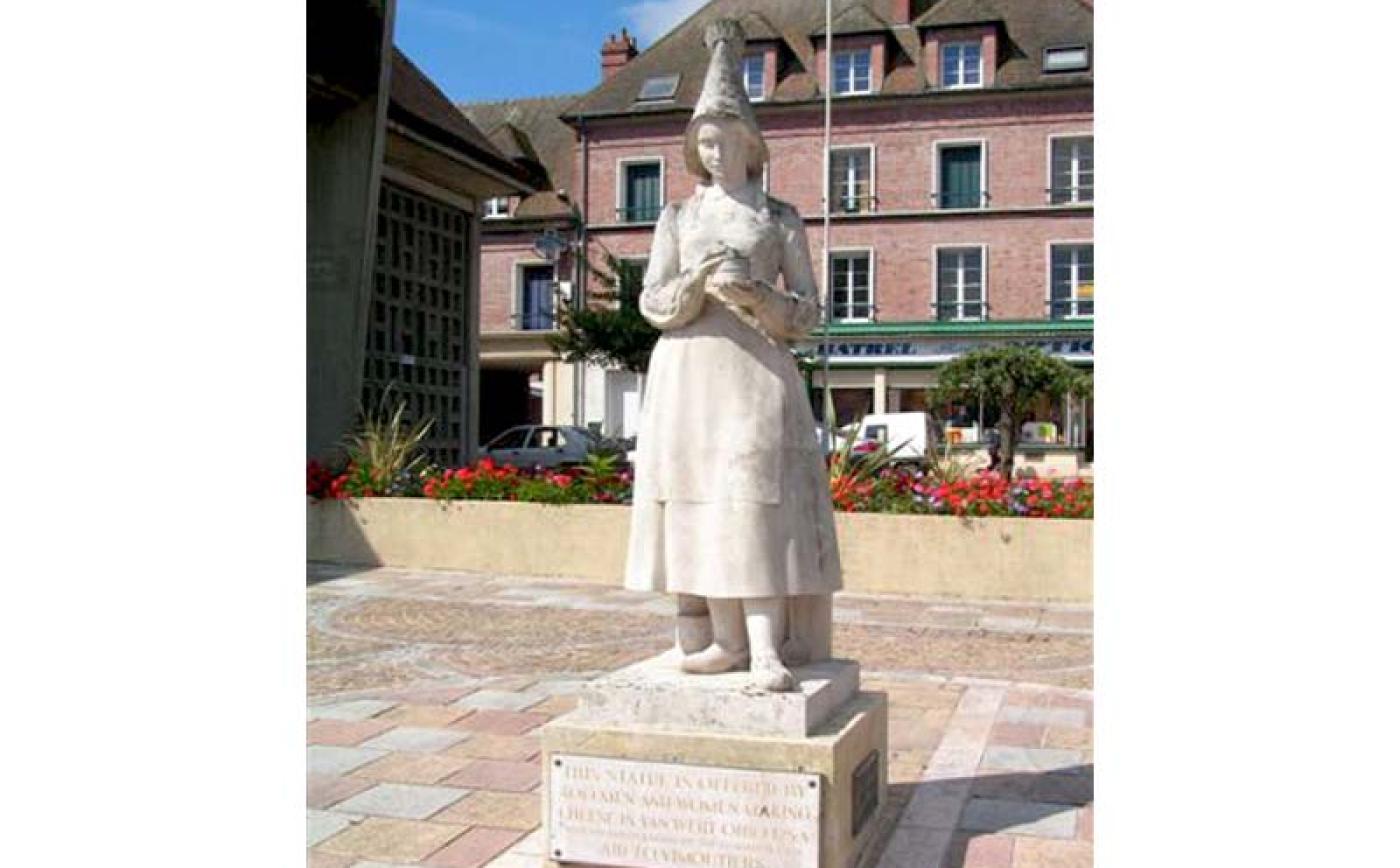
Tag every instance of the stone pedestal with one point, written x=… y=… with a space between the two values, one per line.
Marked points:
x=659 y=768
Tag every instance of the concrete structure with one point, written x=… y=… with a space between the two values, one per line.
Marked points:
x=395 y=181
x=978 y=558
x=962 y=180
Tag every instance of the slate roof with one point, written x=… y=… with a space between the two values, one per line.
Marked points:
x=1028 y=25
x=856 y=18
x=416 y=102
x=530 y=132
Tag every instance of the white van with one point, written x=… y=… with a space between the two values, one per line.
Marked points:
x=910 y=436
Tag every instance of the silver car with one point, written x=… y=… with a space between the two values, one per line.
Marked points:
x=527 y=446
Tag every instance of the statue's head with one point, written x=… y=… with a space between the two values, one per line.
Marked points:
x=723 y=111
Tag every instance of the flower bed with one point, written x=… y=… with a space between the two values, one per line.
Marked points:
x=896 y=490
x=914 y=492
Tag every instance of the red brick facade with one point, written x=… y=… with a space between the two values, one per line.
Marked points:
x=1016 y=226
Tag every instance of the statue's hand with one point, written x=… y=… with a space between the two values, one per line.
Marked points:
x=747 y=294
x=713 y=257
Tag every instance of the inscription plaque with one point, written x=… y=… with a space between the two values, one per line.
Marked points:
x=626 y=813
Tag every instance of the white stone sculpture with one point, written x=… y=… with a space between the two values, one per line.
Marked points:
x=732 y=510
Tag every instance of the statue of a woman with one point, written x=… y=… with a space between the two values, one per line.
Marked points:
x=732 y=510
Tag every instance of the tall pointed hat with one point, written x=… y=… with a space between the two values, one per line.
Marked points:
x=724 y=96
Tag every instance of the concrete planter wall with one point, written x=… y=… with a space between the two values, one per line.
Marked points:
x=1025 y=559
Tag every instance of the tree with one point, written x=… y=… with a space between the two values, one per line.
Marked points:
x=613 y=333
x=1009 y=379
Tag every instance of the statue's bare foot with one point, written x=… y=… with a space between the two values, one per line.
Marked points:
x=795 y=652
x=770 y=674
x=713 y=660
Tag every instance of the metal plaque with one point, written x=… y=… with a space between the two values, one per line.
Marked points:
x=865 y=791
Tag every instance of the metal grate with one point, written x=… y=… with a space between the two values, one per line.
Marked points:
x=416 y=341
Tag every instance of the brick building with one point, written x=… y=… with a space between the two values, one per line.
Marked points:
x=961 y=181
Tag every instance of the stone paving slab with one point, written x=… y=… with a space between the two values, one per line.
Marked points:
x=501 y=700
x=345 y=733
x=355 y=709
x=331 y=760
x=986 y=771
x=477 y=847
x=409 y=768
x=1042 y=819
x=1033 y=759
x=392 y=840
x=322 y=790
x=321 y=825
x=404 y=801
x=518 y=811
x=416 y=738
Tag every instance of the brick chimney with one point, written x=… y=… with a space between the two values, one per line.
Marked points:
x=616 y=52
x=901 y=11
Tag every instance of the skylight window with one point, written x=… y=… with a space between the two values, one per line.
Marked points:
x=1067 y=58
x=658 y=88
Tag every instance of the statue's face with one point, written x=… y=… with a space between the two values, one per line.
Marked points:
x=723 y=149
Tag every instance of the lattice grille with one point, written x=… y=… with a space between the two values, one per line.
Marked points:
x=417 y=335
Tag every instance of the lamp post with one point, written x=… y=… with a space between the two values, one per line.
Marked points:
x=551 y=245
x=828 y=301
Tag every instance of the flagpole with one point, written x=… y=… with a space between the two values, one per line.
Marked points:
x=828 y=412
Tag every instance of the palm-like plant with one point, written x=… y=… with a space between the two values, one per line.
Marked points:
x=385 y=449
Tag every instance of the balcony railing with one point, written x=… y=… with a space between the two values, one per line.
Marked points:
x=639 y=213
x=1082 y=194
x=965 y=200
x=533 y=321
x=952 y=311
x=855 y=204
x=1070 y=308
x=853 y=313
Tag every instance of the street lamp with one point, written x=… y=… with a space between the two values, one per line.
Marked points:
x=551 y=245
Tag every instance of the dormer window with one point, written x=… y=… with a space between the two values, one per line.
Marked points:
x=851 y=70
x=497 y=207
x=753 y=77
x=659 y=88
x=961 y=64
x=1066 y=58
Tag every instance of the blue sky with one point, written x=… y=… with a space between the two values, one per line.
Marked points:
x=478 y=50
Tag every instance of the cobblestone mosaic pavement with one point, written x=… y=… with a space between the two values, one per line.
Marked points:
x=426 y=691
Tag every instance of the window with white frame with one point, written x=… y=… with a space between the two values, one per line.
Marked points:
x=852 y=189
x=961 y=293
x=1071 y=281
x=961 y=63
x=961 y=173
x=640 y=192
x=1071 y=169
x=753 y=76
x=497 y=207
x=852 y=289
x=851 y=70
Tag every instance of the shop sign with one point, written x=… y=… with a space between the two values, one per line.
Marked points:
x=1070 y=349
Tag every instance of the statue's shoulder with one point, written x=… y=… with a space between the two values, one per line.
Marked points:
x=783 y=213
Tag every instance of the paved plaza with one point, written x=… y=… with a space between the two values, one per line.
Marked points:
x=427 y=689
